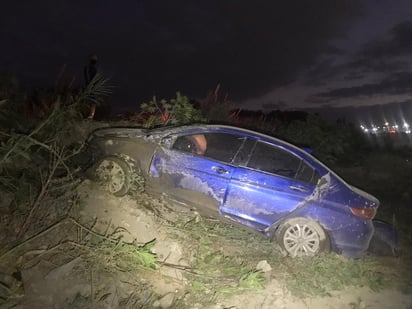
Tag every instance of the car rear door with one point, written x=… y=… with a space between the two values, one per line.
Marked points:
x=271 y=184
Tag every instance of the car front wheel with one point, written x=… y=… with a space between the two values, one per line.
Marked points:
x=298 y=237
x=114 y=175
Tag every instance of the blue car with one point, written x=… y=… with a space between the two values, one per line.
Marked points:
x=249 y=178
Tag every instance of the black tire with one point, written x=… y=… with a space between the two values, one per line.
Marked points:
x=114 y=175
x=298 y=237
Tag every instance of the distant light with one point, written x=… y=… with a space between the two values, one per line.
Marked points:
x=386 y=127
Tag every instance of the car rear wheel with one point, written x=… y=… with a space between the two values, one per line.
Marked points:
x=114 y=175
x=298 y=237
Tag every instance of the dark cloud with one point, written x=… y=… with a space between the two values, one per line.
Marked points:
x=321 y=73
x=398 y=43
x=381 y=67
x=399 y=83
x=386 y=55
x=279 y=105
x=158 y=47
x=389 y=54
x=369 y=62
x=395 y=112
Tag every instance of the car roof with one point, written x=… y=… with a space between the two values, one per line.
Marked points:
x=227 y=128
x=191 y=129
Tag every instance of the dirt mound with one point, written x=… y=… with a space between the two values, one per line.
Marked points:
x=141 y=252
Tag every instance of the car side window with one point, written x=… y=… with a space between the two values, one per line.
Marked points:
x=307 y=173
x=274 y=160
x=218 y=146
x=243 y=155
x=195 y=144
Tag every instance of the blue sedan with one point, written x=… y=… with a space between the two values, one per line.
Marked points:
x=249 y=178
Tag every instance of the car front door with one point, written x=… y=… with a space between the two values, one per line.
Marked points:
x=271 y=184
x=197 y=168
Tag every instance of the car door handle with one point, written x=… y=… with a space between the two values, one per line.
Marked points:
x=298 y=188
x=220 y=170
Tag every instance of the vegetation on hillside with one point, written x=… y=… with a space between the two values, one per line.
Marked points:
x=42 y=134
x=38 y=142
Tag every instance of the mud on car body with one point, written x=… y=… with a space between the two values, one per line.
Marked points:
x=253 y=179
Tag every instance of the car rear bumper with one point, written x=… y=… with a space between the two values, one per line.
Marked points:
x=353 y=240
x=384 y=240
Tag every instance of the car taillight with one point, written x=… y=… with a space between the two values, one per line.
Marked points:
x=367 y=213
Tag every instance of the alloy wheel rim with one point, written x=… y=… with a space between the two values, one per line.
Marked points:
x=301 y=240
x=111 y=175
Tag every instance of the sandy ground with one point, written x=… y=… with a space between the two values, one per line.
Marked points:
x=143 y=227
x=57 y=285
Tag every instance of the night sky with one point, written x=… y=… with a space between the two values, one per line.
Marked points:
x=266 y=55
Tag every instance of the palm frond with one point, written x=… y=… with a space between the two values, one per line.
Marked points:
x=96 y=90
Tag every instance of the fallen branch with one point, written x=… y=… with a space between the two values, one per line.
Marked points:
x=54 y=226
x=40 y=234
x=44 y=189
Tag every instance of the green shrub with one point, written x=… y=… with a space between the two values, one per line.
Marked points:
x=177 y=111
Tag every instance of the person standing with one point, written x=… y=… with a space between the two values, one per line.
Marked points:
x=90 y=71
